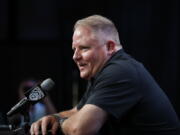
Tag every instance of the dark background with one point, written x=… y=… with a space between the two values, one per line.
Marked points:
x=35 y=40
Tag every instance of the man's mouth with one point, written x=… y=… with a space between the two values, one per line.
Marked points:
x=81 y=65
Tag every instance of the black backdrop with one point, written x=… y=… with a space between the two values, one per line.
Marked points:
x=35 y=38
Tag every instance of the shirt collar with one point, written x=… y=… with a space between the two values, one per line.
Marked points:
x=120 y=51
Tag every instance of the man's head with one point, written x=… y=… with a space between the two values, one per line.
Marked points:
x=95 y=40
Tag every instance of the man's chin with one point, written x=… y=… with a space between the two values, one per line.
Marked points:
x=84 y=76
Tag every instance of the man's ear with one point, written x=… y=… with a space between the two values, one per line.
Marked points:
x=111 y=47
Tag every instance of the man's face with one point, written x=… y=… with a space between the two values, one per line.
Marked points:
x=89 y=54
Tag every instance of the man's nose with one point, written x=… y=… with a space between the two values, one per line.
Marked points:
x=76 y=55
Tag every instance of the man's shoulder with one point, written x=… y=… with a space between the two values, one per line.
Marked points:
x=120 y=66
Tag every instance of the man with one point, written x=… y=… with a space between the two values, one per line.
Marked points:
x=121 y=99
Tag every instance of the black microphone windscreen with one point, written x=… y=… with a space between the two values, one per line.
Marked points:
x=47 y=84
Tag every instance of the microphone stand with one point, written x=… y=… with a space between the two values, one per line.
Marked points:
x=24 y=129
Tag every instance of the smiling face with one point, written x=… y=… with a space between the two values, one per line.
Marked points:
x=90 y=54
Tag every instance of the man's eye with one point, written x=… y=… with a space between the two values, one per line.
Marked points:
x=85 y=48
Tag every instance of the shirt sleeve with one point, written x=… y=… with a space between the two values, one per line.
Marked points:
x=84 y=97
x=82 y=101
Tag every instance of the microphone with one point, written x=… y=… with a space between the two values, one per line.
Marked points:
x=32 y=96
